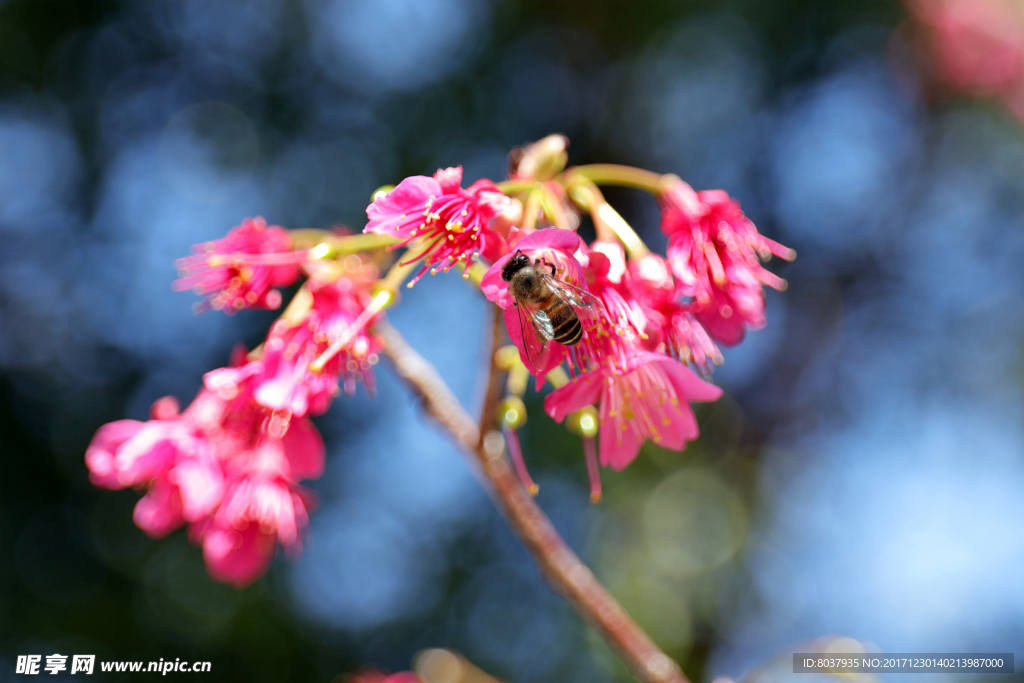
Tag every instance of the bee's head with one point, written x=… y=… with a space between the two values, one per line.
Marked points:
x=518 y=261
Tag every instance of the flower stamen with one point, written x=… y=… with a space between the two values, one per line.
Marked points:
x=593 y=471
x=515 y=452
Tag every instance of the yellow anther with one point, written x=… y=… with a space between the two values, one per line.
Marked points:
x=583 y=422
x=512 y=412
x=507 y=357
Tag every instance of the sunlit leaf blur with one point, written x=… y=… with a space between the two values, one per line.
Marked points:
x=862 y=475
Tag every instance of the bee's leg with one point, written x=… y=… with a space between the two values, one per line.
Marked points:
x=549 y=264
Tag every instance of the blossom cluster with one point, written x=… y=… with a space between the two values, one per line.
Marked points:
x=230 y=464
x=658 y=317
x=655 y=318
x=225 y=466
x=646 y=332
x=243 y=269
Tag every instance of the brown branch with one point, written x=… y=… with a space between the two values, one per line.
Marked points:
x=564 y=571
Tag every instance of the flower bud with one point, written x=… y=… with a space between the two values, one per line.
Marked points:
x=506 y=357
x=541 y=160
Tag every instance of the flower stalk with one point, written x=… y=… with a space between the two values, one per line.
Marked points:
x=608 y=223
x=533 y=201
x=553 y=208
x=332 y=245
x=511 y=187
x=562 y=568
x=617 y=174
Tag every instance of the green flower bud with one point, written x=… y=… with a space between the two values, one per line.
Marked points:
x=512 y=412
x=583 y=422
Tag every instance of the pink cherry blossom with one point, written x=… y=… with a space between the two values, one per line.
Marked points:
x=158 y=513
x=731 y=310
x=611 y=329
x=264 y=454
x=236 y=556
x=101 y=455
x=283 y=378
x=176 y=464
x=449 y=224
x=714 y=253
x=616 y=333
x=226 y=466
x=609 y=279
x=240 y=539
x=672 y=327
x=242 y=269
x=552 y=247
x=650 y=400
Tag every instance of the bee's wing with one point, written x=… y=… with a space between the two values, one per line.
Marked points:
x=537 y=331
x=583 y=302
x=539 y=321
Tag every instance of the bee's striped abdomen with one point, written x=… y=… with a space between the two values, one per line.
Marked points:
x=564 y=322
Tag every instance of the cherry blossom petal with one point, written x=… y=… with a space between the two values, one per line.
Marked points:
x=304 y=450
x=577 y=394
x=391 y=210
x=158 y=513
x=201 y=486
x=450 y=179
x=688 y=384
x=100 y=455
x=237 y=557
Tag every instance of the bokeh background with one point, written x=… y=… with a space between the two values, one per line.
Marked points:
x=862 y=475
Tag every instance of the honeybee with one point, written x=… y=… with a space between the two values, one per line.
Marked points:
x=552 y=308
